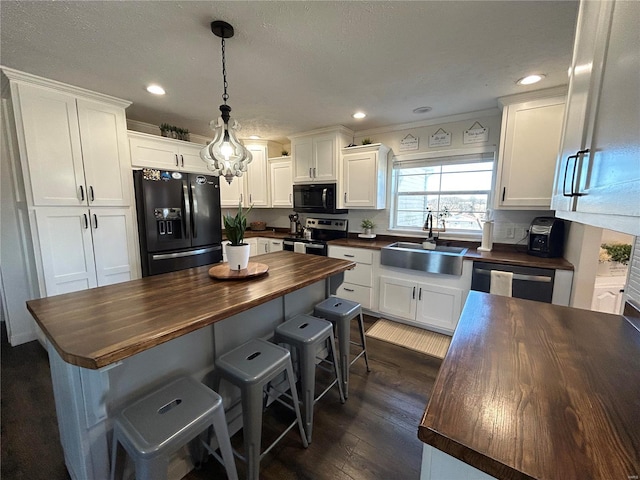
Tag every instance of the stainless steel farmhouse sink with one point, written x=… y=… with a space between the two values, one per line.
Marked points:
x=442 y=259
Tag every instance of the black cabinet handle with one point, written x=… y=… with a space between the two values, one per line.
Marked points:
x=504 y=192
x=572 y=192
x=414 y=293
x=93 y=197
x=95 y=220
x=86 y=221
x=182 y=160
x=81 y=193
x=420 y=294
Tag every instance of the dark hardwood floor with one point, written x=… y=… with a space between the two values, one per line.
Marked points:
x=372 y=436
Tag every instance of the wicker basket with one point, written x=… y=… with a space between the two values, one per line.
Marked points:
x=258 y=225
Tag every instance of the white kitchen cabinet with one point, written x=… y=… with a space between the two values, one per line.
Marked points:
x=73 y=149
x=275 y=245
x=252 y=187
x=83 y=248
x=316 y=154
x=151 y=151
x=268 y=245
x=281 y=182
x=529 y=145
x=364 y=177
x=598 y=173
x=607 y=294
x=358 y=282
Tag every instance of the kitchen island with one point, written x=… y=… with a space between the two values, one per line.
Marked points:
x=530 y=390
x=108 y=344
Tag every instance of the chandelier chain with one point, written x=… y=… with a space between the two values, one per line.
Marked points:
x=225 y=95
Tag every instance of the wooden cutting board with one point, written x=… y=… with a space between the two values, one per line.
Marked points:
x=223 y=272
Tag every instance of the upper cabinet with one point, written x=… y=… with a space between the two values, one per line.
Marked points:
x=529 y=144
x=151 y=151
x=73 y=148
x=281 y=182
x=364 y=177
x=598 y=173
x=252 y=187
x=316 y=154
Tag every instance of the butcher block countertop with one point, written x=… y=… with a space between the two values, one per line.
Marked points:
x=97 y=327
x=534 y=390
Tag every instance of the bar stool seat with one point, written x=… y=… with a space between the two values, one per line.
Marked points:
x=308 y=335
x=251 y=367
x=161 y=422
x=340 y=312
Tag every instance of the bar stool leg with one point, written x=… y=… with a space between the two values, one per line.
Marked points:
x=152 y=469
x=296 y=404
x=364 y=342
x=252 y=428
x=117 y=458
x=344 y=347
x=336 y=367
x=307 y=357
x=222 y=434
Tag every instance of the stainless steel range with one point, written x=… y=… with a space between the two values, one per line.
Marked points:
x=321 y=231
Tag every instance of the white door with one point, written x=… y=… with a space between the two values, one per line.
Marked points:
x=398 y=297
x=359 y=179
x=190 y=161
x=257 y=184
x=281 y=179
x=67 y=249
x=232 y=193
x=111 y=230
x=302 y=154
x=52 y=143
x=263 y=246
x=275 y=245
x=324 y=151
x=152 y=153
x=438 y=306
x=103 y=133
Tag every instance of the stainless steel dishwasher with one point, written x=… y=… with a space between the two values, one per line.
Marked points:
x=531 y=283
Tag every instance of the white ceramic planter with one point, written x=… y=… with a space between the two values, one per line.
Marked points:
x=238 y=256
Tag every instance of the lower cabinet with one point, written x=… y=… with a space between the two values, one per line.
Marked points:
x=426 y=304
x=83 y=248
x=267 y=245
x=607 y=294
x=358 y=282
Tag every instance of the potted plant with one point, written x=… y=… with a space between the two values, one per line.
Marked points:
x=368 y=225
x=164 y=129
x=237 y=250
x=285 y=153
x=614 y=259
x=366 y=141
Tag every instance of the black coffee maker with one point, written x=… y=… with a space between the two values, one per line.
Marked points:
x=546 y=237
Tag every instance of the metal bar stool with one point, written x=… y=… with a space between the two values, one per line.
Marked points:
x=341 y=312
x=251 y=367
x=161 y=422
x=308 y=335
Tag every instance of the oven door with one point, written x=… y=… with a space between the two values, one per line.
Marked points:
x=309 y=247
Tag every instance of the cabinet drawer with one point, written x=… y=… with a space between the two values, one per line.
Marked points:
x=359 y=255
x=361 y=275
x=355 y=293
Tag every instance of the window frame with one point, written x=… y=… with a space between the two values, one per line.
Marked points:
x=441 y=157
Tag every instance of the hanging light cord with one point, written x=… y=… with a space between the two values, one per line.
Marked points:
x=225 y=95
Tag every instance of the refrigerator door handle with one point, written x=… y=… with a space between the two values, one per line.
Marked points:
x=187 y=208
x=194 y=212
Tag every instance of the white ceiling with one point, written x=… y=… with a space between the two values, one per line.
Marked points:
x=293 y=66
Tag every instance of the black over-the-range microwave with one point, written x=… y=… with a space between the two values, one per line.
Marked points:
x=316 y=198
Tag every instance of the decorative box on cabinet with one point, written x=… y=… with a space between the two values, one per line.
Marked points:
x=84 y=248
x=72 y=143
x=358 y=282
x=529 y=144
x=151 y=151
x=598 y=173
x=316 y=154
x=364 y=177
x=281 y=182
x=252 y=187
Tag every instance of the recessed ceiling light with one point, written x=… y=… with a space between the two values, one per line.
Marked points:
x=155 y=89
x=422 y=109
x=359 y=115
x=254 y=137
x=530 y=79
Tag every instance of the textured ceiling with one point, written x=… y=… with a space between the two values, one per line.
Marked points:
x=293 y=66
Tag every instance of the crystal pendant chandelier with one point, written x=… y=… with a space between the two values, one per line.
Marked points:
x=225 y=155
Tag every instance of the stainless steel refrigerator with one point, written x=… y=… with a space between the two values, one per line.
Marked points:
x=179 y=221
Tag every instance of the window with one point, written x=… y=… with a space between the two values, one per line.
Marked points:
x=455 y=188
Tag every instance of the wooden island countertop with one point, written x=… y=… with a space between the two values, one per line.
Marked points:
x=100 y=326
x=534 y=390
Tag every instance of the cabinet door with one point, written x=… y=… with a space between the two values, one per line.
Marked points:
x=111 y=230
x=324 y=167
x=355 y=293
x=528 y=152
x=107 y=171
x=49 y=121
x=398 y=297
x=275 y=245
x=359 y=180
x=232 y=193
x=303 y=159
x=610 y=183
x=67 y=249
x=253 y=246
x=151 y=153
x=189 y=159
x=438 y=306
x=281 y=179
x=263 y=246
x=607 y=299
x=256 y=183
